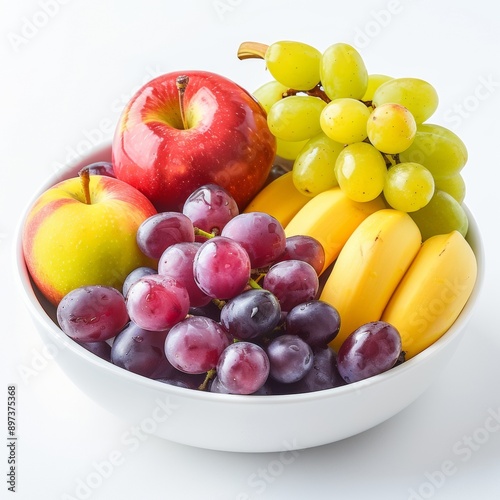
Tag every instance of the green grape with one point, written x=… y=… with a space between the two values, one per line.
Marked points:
x=454 y=185
x=441 y=215
x=314 y=167
x=408 y=187
x=417 y=95
x=374 y=82
x=344 y=120
x=289 y=149
x=360 y=170
x=391 y=128
x=295 y=118
x=438 y=149
x=343 y=72
x=294 y=64
x=269 y=93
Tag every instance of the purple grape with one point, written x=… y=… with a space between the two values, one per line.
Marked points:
x=141 y=351
x=290 y=358
x=252 y=314
x=210 y=208
x=101 y=349
x=100 y=168
x=243 y=368
x=135 y=275
x=222 y=268
x=195 y=344
x=92 y=313
x=161 y=230
x=157 y=302
x=260 y=234
x=217 y=386
x=371 y=349
x=306 y=248
x=316 y=322
x=177 y=261
x=323 y=375
x=293 y=282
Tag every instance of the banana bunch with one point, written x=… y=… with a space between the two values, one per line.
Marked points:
x=380 y=269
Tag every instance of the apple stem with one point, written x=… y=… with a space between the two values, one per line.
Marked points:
x=85 y=178
x=182 y=82
x=252 y=50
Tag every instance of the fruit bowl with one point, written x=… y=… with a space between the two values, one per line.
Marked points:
x=231 y=422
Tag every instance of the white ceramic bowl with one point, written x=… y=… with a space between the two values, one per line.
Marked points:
x=240 y=423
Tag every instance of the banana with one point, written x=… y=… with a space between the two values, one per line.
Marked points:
x=280 y=198
x=433 y=292
x=331 y=217
x=369 y=267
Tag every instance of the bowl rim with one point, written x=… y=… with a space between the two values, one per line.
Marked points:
x=38 y=312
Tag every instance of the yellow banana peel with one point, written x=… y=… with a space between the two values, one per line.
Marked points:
x=280 y=198
x=369 y=267
x=331 y=217
x=433 y=292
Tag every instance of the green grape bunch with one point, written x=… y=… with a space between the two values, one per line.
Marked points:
x=366 y=133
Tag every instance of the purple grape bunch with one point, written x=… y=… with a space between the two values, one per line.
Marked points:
x=232 y=306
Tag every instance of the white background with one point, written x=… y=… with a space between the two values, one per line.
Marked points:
x=68 y=67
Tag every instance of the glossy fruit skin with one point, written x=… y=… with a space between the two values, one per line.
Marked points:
x=68 y=243
x=371 y=349
x=92 y=313
x=369 y=267
x=227 y=140
x=141 y=351
x=433 y=291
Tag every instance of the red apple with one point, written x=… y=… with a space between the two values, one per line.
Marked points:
x=177 y=134
x=82 y=231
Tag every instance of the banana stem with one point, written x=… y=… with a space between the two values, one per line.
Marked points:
x=252 y=50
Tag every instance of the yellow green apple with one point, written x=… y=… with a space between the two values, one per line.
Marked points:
x=82 y=231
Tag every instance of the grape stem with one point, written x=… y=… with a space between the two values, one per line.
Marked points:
x=85 y=178
x=219 y=303
x=181 y=83
x=316 y=91
x=252 y=50
x=390 y=159
x=200 y=232
x=210 y=375
x=253 y=284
